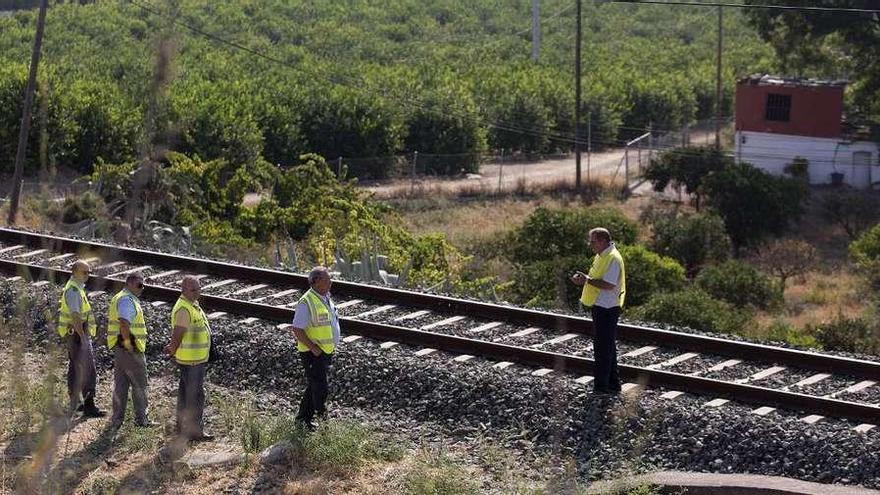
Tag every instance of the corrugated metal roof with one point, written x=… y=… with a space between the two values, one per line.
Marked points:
x=770 y=80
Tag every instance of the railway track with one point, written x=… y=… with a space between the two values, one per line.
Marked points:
x=770 y=377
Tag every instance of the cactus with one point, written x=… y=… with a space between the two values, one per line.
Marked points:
x=371 y=268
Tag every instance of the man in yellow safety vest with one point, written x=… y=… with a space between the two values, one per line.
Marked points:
x=76 y=325
x=190 y=346
x=127 y=339
x=316 y=328
x=604 y=293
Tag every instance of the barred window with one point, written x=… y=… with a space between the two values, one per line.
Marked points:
x=778 y=107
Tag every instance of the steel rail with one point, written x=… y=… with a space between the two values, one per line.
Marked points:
x=513 y=315
x=490 y=350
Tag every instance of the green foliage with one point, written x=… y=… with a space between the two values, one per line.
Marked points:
x=780 y=331
x=551 y=233
x=546 y=283
x=849 y=335
x=799 y=168
x=753 y=203
x=79 y=208
x=738 y=283
x=686 y=167
x=648 y=273
x=865 y=251
x=694 y=240
x=695 y=309
x=390 y=79
x=826 y=44
x=437 y=474
x=853 y=210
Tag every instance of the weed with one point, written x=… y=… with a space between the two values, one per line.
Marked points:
x=436 y=473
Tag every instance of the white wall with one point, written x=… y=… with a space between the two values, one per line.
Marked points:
x=772 y=152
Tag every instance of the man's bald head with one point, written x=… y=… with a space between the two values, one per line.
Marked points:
x=81 y=270
x=189 y=287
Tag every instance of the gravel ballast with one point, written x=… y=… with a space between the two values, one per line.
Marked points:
x=551 y=415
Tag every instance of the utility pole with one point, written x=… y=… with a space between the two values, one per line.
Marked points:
x=718 y=79
x=26 y=115
x=536 y=29
x=577 y=101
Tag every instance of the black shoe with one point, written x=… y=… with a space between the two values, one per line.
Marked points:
x=93 y=412
x=202 y=437
x=306 y=425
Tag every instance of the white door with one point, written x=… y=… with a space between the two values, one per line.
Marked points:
x=861 y=170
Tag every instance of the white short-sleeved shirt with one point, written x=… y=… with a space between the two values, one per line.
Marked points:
x=302 y=316
x=608 y=298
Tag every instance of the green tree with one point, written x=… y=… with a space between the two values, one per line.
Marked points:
x=692 y=239
x=686 y=167
x=827 y=43
x=753 y=203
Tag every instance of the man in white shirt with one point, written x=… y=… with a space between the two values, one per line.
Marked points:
x=604 y=293
x=316 y=328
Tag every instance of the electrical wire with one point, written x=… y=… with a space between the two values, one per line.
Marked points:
x=752 y=6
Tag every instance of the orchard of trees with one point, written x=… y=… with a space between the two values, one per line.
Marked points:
x=352 y=79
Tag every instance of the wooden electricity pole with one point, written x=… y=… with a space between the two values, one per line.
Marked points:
x=577 y=101
x=718 y=79
x=26 y=116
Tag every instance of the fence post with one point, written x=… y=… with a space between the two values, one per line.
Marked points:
x=339 y=168
x=650 y=144
x=626 y=168
x=640 y=158
x=412 y=174
x=500 y=170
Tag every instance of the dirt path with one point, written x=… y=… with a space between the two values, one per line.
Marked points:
x=605 y=166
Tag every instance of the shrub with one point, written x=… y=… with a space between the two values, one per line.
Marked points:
x=849 y=335
x=83 y=207
x=686 y=167
x=799 y=169
x=693 y=240
x=786 y=258
x=855 y=211
x=549 y=233
x=546 y=283
x=648 y=273
x=865 y=251
x=753 y=203
x=780 y=331
x=739 y=284
x=695 y=309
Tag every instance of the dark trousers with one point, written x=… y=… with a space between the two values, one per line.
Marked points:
x=129 y=371
x=605 y=349
x=191 y=400
x=315 y=395
x=82 y=377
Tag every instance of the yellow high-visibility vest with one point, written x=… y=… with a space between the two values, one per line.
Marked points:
x=319 y=329
x=137 y=328
x=600 y=266
x=65 y=317
x=195 y=347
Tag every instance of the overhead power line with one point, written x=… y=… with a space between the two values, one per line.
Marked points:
x=843 y=10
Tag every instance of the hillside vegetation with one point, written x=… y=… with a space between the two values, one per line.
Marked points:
x=273 y=79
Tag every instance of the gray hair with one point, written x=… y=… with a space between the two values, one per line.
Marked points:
x=189 y=281
x=317 y=273
x=601 y=233
x=133 y=277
